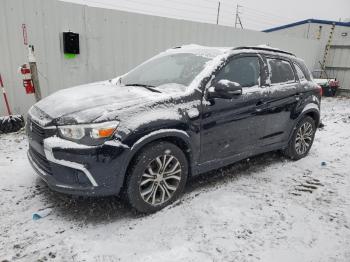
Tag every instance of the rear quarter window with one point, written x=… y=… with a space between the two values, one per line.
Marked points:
x=304 y=69
x=300 y=73
x=280 y=71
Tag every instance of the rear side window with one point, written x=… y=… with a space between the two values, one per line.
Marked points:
x=300 y=73
x=304 y=69
x=280 y=71
x=243 y=70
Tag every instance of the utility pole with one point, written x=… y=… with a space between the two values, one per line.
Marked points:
x=217 y=17
x=34 y=72
x=238 y=18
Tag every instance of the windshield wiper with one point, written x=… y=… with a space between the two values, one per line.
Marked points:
x=149 y=87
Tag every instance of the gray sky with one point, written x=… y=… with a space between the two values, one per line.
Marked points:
x=255 y=14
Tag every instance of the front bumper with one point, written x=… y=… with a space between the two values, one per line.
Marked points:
x=71 y=168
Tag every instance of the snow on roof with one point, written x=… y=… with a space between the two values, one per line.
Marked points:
x=206 y=51
x=212 y=52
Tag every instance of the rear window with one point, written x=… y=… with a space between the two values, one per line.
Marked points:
x=280 y=71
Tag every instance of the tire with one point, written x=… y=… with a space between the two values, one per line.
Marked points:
x=151 y=185
x=302 y=139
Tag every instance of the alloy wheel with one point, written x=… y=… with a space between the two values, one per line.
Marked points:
x=160 y=180
x=303 y=138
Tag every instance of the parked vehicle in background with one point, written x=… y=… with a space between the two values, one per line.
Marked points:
x=329 y=85
x=184 y=112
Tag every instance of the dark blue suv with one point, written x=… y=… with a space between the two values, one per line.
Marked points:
x=186 y=111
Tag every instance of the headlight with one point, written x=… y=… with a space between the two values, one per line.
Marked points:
x=72 y=132
x=90 y=134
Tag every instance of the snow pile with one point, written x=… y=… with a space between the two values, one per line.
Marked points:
x=4 y=119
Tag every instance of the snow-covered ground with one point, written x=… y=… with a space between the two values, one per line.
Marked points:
x=265 y=209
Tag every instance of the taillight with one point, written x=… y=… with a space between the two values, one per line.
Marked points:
x=320 y=90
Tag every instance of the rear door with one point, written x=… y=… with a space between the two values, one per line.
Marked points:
x=284 y=96
x=233 y=126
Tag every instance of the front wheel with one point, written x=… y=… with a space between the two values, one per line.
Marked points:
x=157 y=177
x=302 y=139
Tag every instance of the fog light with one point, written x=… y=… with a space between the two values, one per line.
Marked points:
x=82 y=179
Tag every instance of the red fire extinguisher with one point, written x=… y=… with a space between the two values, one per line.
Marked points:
x=27 y=79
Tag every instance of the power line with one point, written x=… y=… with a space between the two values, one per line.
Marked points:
x=189 y=11
x=268 y=14
x=148 y=5
x=255 y=11
x=271 y=18
x=194 y=5
x=263 y=19
x=259 y=21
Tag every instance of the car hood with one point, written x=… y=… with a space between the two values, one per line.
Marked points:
x=87 y=103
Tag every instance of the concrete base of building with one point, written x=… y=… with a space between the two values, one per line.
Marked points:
x=343 y=92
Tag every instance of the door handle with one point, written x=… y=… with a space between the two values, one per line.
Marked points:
x=297 y=96
x=260 y=105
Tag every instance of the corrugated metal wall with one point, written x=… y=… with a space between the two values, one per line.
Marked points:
x=338 y=58
x=338 y=63
x=111 y=43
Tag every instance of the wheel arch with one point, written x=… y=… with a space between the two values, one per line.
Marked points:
x=313 y=111
x=178 y=137
x=314 y=115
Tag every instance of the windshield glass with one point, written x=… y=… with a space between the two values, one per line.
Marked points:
x=179 y=68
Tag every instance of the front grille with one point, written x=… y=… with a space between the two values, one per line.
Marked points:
x=41 y=161
x=38 y=130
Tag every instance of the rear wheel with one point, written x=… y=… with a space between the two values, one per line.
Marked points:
x=157 y=178
x=302 y=139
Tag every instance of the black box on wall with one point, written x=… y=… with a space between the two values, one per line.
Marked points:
x=71 y=43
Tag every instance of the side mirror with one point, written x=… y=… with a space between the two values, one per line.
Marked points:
x=224 y=89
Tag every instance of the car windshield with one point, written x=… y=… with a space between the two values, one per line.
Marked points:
x=167 y=69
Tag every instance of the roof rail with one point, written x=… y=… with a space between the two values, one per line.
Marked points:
x=263 y=49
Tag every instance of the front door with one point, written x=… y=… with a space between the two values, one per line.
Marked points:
x=233 y=126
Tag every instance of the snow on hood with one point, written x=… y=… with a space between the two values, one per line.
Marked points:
x=85 y=103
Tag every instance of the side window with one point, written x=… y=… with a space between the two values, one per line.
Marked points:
x=243 y=70
x=300 y=73
x=280 y=71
